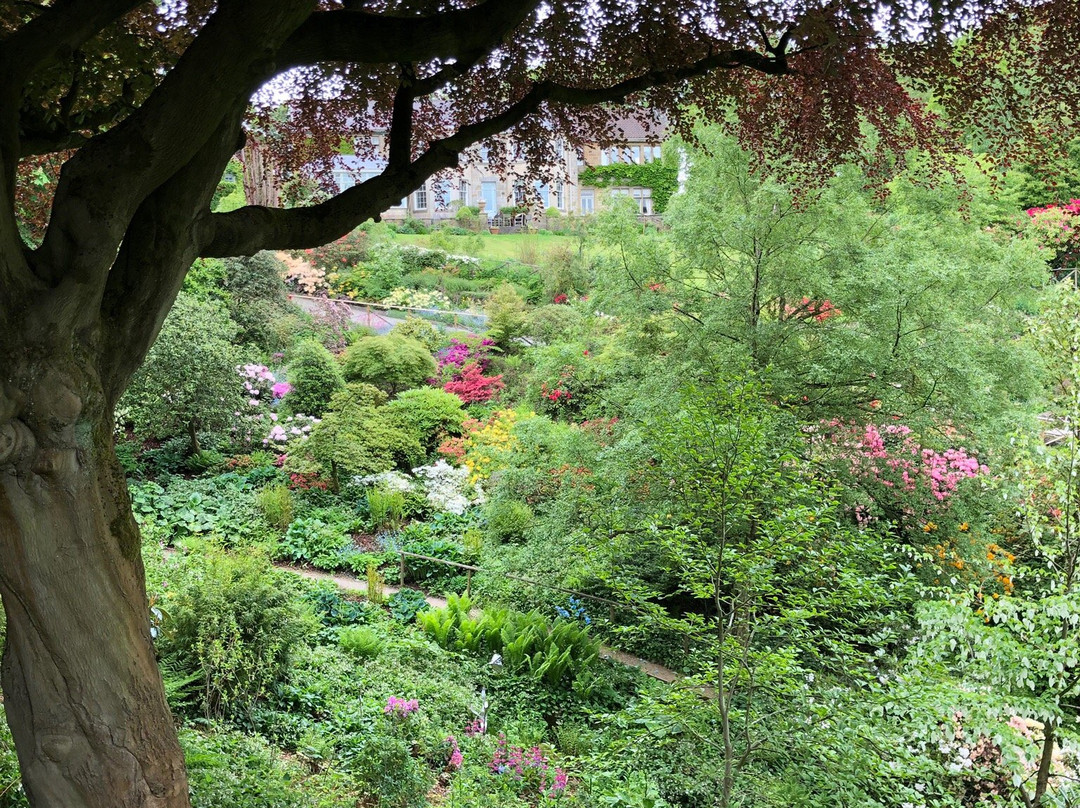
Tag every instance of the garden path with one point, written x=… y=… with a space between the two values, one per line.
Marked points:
x=350 y=583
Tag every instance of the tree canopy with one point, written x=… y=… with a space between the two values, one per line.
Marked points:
x=136 y=109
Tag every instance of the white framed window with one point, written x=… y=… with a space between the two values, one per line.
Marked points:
x=560 y=196
x=368 y=175
x=642 y=198
x=656 y=153
x=519 y=194
x=463 y=192
x=344 y=179
x=420 y=198
x=587 y=202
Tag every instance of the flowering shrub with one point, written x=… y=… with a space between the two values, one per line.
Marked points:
x=447 y=487
x=484 y=443
x=473 y=387
x=301 y=275
x=400 y=708
x=529 y=771
x=461 y=352
x=418 y=299
x=905 y=481
x=1057 y=227
x=295 y=428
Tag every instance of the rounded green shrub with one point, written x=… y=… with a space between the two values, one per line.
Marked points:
x=428 y=413
x=508 y=519
x=391 y=363
x=315 y=376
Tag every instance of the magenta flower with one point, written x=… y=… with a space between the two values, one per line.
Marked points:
x=281 y=389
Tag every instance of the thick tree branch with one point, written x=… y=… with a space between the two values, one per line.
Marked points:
x=365 y=38
x=400 y=134
x=54 y=34
x=156 y=254
x=102 y=186
x=252 y=228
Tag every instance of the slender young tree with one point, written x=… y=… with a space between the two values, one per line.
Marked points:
x=143 y=104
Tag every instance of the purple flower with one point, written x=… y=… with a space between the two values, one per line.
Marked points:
x=281 y=389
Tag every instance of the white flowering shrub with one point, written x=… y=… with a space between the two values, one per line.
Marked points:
x=447 y=487
x=389 y=481
x=418 y=299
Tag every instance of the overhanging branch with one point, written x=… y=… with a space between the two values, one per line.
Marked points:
x=250 y=229
x=365 y=38
x=55 y=32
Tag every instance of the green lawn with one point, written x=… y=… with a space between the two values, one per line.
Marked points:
x=529 y=248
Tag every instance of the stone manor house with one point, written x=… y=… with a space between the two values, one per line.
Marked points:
x=477 y=184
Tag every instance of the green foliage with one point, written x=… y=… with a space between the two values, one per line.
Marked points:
x=311 y=540
x=276 y=503
x=910 y=306
x=422 y=331
x=508 y=520
x=234 y=619
x=222 y=506
x=315 y=376
x=428 y=413
x=359 y=437
x=11 y=790
x=390 y=774
x=506 y=316
x=391 y=363
x=228 y=770
x=361 y=642
x=257 y=297
x=188 y=381
x=206 y=280
x=422 y=571
x=406 y=603
x=547 y=652
x=662 y=179
x=385 y=508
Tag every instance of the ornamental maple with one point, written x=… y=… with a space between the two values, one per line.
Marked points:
x=142 y=105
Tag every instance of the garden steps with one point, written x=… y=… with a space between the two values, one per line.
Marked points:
x=351 y=583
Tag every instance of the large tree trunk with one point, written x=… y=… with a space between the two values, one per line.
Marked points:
x=83 y=693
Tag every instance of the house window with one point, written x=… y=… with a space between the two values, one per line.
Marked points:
x=485 y=154
x=519 y=194
x=344 y=180
x=586 y=202
x=368 y=175
x=560 y=149
x=542 y=192
x=656 y=153
x=420 y=198
x=463 y=192
x=560 y=201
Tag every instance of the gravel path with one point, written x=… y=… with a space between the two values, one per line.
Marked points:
x=350 y=583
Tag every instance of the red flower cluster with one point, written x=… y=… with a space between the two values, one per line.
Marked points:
x=301 y=481
x=472 y=386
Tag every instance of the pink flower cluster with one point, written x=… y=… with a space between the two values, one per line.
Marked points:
x=456 y=758
x=400 y=708
x=522 y=765
x=892 y=457
x=281 y=389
